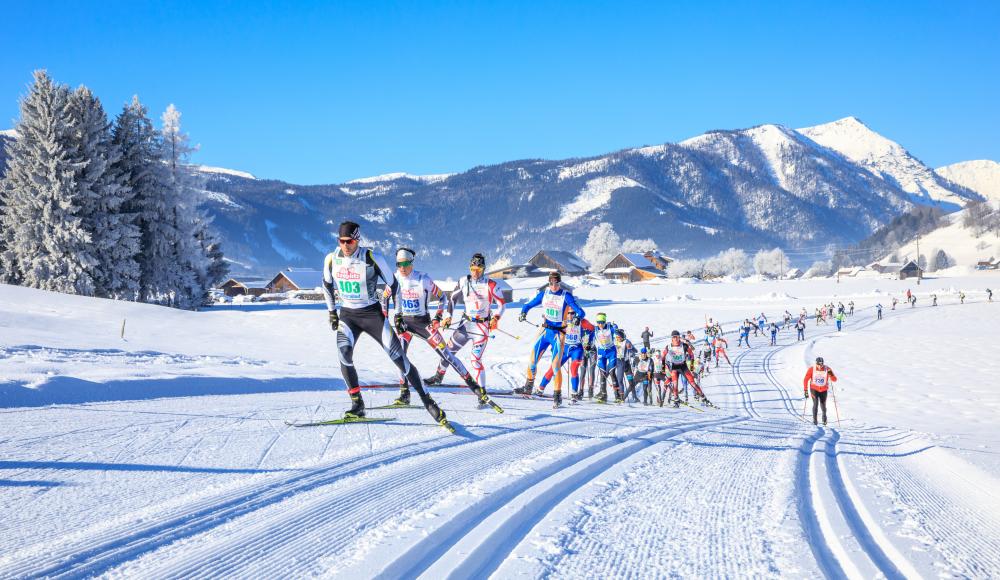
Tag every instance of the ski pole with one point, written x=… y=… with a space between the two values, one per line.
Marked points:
x=834 y=393
x=514 y=336
x=805 y=402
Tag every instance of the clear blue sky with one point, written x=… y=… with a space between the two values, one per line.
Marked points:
x=320 y=92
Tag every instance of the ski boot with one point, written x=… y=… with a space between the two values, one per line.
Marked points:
x=357 y=410
x=435 y=379
x=576 y=398
x=444 y=423
x=677 y=403
x=485 y=401
x=539 y=393
x=556 y=399
x=529 y=385
x=403 y=400
x=590 y=392
x=602 y=396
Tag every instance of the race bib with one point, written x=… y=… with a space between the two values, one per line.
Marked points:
x=573 y=334
x=477 y=303
x=552 y=307
x=819 y=378
x=411 y=301
x=676 y=354
x=352 y=284
x=604 y=338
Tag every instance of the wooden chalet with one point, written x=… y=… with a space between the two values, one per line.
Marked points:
x=244 y=287
x=632 y=267
x=566 y=263
x=516 y=271
x=294 y=279
x=911 y=270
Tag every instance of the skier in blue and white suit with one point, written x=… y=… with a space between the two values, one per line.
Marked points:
x=607 y=356
x=555 y=301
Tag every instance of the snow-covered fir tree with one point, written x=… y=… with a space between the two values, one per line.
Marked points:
x=770 y=262
x=103 y=193
x=602 y=245
x=48 y=245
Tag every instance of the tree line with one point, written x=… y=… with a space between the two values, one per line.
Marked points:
x=100 y=208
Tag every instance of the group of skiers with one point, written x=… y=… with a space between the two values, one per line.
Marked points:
x=597 y=351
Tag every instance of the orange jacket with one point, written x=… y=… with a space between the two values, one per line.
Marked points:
x=819 y=382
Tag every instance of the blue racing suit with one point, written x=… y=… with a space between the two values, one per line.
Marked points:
x=554 y=305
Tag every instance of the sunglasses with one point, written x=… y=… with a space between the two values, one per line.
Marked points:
x=405 y=264
x=348 y=241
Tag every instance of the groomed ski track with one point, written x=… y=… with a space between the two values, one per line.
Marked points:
x=750 y=489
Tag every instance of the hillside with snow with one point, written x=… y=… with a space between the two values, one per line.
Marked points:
x=888 y=159
x=963 y=245
x=981 y=176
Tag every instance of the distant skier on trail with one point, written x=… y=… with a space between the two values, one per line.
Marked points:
x=989 y=295
x=961 y=297
x=800 y=330
x=677 y=354
x=478 y=293
x=646 y=335
x=350 y=276
x=878 y=311
x=745 y=334
x=816 y=383
x=644 y=377
x=774 y=334
x=626 y=353
x=411 y=292
x=840 y=321
x=555 y=301
x=721 y=344
x=933 y=299
x=850 y=306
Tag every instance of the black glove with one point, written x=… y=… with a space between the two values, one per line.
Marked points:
x=576 y=320
x=437 y=317
x=522 y=316
x=334 y=320
x=397 y=322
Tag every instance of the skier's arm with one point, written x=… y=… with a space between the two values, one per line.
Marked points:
x=497 y=296
x=455 y=298
x=807 y=380
x=571 y=302
x=329 y=288
x=533 y=302
x=434 y=292
x=833 y=377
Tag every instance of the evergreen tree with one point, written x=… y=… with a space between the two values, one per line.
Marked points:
x=103 y=192
x=148 y=178
x=190 y=272
x=46 y=239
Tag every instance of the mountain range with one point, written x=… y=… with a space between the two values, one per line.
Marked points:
x=751 y=188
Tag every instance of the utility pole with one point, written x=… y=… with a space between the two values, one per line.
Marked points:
x=920 y=272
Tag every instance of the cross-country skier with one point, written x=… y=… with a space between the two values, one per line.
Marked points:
x=658 y=373
x=800 y=329
x=607 y=357
x=894 y=301
x=646 y=335
x=644 y=376
x=745 y=334
x=626 y=354
x=411 y=292
x=478 y=293
x=721 y=344
x=850 y=306
x=878 y=311
x=577 y=336
x=590 y=365
x=961 y=297
x=677 y=354
x=774 y=334
x=816 y=382
x=555 y=302
x=989 y=295
x=350 y=276
x=933 y=299
x=840 y=321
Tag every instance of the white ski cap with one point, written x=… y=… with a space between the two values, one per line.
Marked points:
x=405 y=255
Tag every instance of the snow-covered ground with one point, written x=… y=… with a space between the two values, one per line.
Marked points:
x=165 y=452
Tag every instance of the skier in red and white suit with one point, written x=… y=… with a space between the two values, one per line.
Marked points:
x=479 y=293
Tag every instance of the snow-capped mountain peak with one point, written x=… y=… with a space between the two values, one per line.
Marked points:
x=981 y=176
x=224 y=171
x=402 y=175
x=12 y=133
x=889 y=160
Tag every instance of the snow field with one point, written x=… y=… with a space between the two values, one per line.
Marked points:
x=168 y=454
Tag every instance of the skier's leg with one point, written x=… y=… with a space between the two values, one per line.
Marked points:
x=390 y=344
x=815 y=398
x=478 y=348
x=346 y=333
x=822 y=403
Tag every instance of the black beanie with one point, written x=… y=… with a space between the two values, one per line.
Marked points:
x=350 y=230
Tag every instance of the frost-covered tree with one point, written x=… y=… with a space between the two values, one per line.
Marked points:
x=686 y=269
x=819 y=268
x=770 y=262
x=103 y=193
x=941 y=260
x=638 y=246
x=731 y=262
x=47 y=242
x=602 y=245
